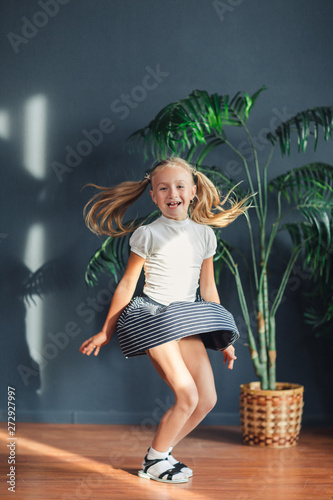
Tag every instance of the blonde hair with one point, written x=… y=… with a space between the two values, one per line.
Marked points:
x=110 y=204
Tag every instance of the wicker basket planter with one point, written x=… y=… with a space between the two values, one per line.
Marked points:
x=271 y=418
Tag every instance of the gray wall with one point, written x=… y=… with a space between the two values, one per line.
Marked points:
x=66 y=69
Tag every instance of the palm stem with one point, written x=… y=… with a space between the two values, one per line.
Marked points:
x=256 y=163
x=294 y=256
x=247 y=171
x=253 y=253
x=265 y=180
x=272 y=355
x=259 y=365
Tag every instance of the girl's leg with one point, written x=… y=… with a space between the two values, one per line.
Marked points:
x=186 y=368
x=197 y=361
x=169 y=363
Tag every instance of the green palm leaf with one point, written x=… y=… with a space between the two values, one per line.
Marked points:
x=315 y=179
x=189 y=123
x=319 y=301
x=222 y=182
x=304 y=124
x=111 y=257
x=315 y=239
x=321 y=317
x=310 y=188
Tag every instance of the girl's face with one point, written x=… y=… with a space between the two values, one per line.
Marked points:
x=172 y=190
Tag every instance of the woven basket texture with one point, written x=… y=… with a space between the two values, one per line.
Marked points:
x=271 y=418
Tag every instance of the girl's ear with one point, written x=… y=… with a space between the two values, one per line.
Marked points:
x=194 y=191
x=152 y=195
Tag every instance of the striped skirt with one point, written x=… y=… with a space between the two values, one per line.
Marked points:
x=145 y=324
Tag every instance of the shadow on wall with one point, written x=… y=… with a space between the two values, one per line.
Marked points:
x=15 y=350
x=26 y=204
x=18 y=207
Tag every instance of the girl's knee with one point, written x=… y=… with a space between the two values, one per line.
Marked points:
x=212 y=401
x=207 y=402
x=187 y=398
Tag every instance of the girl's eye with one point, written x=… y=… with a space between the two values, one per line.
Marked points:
x=180 y=187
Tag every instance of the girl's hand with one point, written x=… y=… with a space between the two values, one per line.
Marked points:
x=229 y=354
x=94 y=342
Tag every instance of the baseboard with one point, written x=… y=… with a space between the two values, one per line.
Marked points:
x=114 y=417
x=111 y=417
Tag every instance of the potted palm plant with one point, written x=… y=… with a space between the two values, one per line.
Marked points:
x=195 y=126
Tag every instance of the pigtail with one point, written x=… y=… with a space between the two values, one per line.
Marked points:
x=108 y=207
x=208 y=199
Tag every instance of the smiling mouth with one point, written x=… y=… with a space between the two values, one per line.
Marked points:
x=173 y=204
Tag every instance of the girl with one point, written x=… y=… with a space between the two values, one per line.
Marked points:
x=169 y=322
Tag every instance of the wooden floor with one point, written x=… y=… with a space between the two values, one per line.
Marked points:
x=100 y=462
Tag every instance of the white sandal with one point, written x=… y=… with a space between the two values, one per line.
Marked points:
x=180 y=466
x=165 y=477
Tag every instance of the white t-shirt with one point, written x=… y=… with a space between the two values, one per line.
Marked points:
x=174 y=251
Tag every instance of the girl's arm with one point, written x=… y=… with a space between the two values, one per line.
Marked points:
x=208 y=292
x=121 y=298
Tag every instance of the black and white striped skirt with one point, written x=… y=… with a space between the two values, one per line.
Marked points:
x=145 y=324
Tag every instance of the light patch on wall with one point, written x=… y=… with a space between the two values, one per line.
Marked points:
x=34 y=155
x=34 y=160
x=33 y=259
x=4 y=124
